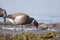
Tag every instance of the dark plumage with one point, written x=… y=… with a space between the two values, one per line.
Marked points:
x=33 y=21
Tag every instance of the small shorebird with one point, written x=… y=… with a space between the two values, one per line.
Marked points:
x=21 y=19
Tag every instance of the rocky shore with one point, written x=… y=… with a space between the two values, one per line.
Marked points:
x=6 y=34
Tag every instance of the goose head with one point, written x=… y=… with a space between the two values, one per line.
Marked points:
x=31 y=20
x=35 y=23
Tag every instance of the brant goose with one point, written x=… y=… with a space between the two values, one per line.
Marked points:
x=3 y=13
x=21 y=19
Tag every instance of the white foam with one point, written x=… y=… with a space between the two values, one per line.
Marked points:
x=17 y=29
x=30 y=29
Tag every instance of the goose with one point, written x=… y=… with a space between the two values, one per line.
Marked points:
x=3 y=14
x=21 y=19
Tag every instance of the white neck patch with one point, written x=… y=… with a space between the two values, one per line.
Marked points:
x=33 y=21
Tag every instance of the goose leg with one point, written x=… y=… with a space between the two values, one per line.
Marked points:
x=15 y=27
x=22 y=27
x=4 y=21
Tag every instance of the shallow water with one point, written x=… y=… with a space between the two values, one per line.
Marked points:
x=53 y=29
x=31 y=29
